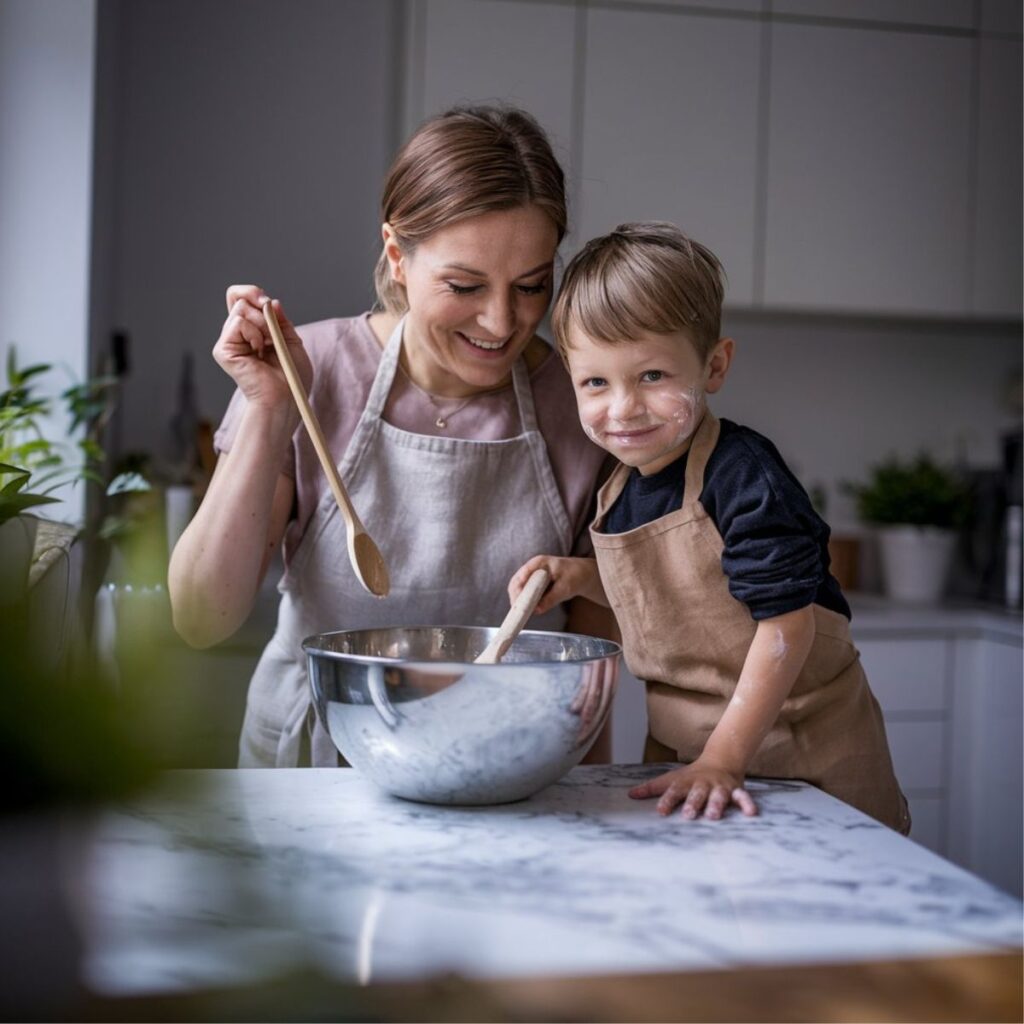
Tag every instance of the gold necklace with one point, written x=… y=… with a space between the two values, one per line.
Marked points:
x=442 y=418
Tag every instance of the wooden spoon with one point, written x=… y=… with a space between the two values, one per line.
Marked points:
x=366 y=559
x=516 y=618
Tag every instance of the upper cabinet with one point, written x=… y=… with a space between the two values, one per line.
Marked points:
x=869 y=170
x=996 y=284
x=670 y=129
x=487 y=51
x=845 y=157
x=933 y=13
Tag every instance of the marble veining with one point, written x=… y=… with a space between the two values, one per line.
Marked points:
x=252 y=871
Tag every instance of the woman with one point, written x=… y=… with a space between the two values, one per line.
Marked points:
x=453 y=422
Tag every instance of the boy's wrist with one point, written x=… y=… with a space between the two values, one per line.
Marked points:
x=726 y=760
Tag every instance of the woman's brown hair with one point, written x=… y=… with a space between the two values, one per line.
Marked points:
x=462 y=163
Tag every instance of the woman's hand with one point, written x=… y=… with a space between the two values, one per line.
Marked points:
x=699 y=787
x=245 y=350
x=570 y=577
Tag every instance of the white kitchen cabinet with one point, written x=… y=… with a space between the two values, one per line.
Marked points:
x=671 y=130
x=716 y=6
x=950 y=687
x=869 y=170
x=486 y=51
x=996 y=282
x=986 y=791
x=911 y=677
x=934 y=13
x=1002 y=16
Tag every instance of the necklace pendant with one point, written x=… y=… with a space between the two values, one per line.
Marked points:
x=440 y=422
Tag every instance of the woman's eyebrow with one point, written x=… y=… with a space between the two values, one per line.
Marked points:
x=479 y=273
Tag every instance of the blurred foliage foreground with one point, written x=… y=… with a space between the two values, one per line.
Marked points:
x=68 y=737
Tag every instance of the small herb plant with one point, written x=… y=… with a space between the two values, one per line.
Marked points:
x=920 y=492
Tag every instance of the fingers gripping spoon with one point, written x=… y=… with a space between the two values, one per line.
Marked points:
x=366 y=559
x=520 y=611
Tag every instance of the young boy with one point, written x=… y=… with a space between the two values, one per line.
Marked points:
x=708 y=549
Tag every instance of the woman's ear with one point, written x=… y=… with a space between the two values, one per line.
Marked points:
x=718 y=364
x=393 y=253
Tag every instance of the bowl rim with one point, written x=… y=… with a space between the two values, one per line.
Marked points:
x=309 y=646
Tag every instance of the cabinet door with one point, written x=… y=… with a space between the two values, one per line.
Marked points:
x=946 y=13
x=868 y=170
x=987 y=792
x=670 y=129
x=997 y=264
x=487 y=51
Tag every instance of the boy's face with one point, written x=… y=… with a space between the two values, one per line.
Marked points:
x=642 y=400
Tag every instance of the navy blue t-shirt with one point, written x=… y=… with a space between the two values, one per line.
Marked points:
x=776 y=545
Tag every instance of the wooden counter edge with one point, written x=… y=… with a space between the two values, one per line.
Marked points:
x=985 y=987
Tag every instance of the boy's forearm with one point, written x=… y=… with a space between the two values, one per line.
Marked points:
x=776 y=656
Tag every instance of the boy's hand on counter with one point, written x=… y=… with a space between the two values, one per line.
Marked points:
x=701 y=787
x=570 y=577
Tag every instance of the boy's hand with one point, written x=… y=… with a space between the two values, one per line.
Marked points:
x=699 y=787
x=570 y=577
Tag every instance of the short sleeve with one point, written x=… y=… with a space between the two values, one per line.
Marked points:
x=224 y=436
x=773 y=539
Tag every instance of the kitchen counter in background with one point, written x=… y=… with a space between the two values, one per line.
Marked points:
x=873 y=614
x=260 y=871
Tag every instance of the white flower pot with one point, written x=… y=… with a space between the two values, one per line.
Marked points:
x=916 y=561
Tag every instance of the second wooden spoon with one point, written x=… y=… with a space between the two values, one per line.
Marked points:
x=366 y=559
x=520 y=611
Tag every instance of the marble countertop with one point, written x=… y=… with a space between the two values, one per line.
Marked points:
x=232 y=875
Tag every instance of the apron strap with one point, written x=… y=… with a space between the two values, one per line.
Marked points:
x=386 y=370
x=703 y=445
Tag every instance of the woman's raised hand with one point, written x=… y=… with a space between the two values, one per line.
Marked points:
x=245 y=350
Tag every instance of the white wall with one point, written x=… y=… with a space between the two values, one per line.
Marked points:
x=46 y=118
x=837 y=395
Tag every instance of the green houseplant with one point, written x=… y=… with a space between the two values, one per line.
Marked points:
x=916 y=507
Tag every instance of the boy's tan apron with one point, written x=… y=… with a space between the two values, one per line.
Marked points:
x=453 y=518
x=688 y=637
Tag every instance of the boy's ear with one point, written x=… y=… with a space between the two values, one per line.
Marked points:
x=393 y=252
x=718 y=364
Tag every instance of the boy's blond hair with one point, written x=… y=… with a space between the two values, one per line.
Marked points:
x=640 y=278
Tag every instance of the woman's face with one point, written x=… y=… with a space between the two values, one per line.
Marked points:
x=476 y=291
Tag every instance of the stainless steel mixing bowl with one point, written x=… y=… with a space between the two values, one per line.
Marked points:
x=407 y=706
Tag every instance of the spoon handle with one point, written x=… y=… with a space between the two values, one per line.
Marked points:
x=516 y=618
x=316 y=435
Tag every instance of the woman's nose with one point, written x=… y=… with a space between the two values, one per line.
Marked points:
x=498 y=317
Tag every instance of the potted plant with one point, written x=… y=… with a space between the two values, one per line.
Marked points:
x=917 y=506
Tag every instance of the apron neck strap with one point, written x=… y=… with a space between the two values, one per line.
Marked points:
x=703 y=445
x=385 y=375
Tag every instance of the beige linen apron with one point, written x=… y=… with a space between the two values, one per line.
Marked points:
x=453 y=518
x=687 y=637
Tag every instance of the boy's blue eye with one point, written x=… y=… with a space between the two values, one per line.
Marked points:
x=653 y=376
x=594 y=382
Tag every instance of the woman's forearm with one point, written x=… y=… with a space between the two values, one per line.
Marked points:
x=776 y=656
x=219 y=562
